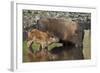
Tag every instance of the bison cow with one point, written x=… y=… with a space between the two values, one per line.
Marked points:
x=69 y=32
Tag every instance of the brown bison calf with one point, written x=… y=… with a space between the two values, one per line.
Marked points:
x=40 y=37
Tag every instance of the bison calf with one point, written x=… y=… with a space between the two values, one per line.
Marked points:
x=40 y=37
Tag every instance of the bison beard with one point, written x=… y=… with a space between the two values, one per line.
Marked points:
x=69 y=33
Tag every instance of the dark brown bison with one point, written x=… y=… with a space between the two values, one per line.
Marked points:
x=64 y=29
x=69 y=32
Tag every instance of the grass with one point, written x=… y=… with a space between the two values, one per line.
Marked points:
x=25 y=52
x=53 y=45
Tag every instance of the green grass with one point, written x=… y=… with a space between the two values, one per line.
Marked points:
x=35 y=46
x=53 y=45
x=25 y=58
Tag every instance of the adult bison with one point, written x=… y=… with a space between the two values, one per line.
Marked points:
x=69 y=32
